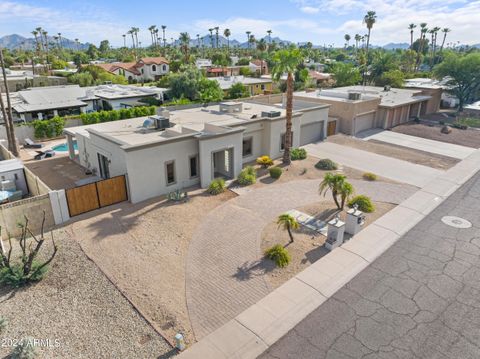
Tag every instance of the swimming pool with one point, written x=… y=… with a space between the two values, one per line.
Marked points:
x=63 y=147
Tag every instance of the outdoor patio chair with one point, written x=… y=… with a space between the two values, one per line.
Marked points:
x=30 y=144
x=44 y=154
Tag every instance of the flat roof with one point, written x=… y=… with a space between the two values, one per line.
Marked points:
x=228 y=81
x=10 y=165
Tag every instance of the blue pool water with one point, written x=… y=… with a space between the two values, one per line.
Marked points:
x=64 y=147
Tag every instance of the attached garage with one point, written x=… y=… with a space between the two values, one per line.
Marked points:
x=311 y=132
x=364 y=122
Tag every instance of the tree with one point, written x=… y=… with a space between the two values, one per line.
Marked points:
x=7 y=111
x=238 y=90
x=345 y=74
x=227 y=34
x=383 y=62
x=184 y=43
x=104 y=47
x=369 y=19
x=248 y=38
x=411 y=27
x=286 y=61
x=186 y=83
x=209 y=91
x=287 y=222
x=347 y=40
x=445 y=32
x=393 y=78
x=29 y=269
x=464 y=73
x=340 y=188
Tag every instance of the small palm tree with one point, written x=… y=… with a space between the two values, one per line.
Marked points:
x=287 y=222
x=339 y=187
x=286 y=61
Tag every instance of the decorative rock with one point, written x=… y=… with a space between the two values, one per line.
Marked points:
x=446 y=130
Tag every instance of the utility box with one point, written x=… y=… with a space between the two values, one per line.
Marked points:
x=335 y=232
x=354 y=221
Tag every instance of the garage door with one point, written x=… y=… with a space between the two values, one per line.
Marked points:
x=311 y=132
x=364 y=122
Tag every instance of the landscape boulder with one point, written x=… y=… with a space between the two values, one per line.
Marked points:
x=446 y=129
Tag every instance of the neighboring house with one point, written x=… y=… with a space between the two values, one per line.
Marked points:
x=144 y=70
x=258 y=66
x=435 y=88
x=320 y=79
x=46 y=102
x=360 y=108
x=183 y=148
x=254 y=86
x=21 y=79
x=316 y=66
x=12 y=177
x=216 y=71
x=203 y=63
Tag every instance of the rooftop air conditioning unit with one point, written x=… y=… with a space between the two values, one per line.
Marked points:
x=354 y=96
x=161 y=123
x=271 y=114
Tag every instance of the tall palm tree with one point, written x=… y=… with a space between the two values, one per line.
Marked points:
x=163 y=31
x=445 y=31
x=152 y=32
x=216 y=36
x=135 y=31
x=198 y=40
x=7 y=112
x=369 y=19
x=60 y=39
x=411 y=27
x=248 y=38
x=124 y=40
x=421 y=44
x=269 y=33
x=45 y=36
x=286 y=61
x=39 y=31
x=211 y=36
x=131 y=33
x=252 y=41
x=287 y=222
x=347 y=39
x=357 y=38
x=436 y=29
x=184 y=43
x=227 y=34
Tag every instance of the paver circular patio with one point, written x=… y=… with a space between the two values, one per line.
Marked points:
x=223 y=269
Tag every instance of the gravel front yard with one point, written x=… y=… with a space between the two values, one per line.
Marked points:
x=469 y=138
x=78 y=305
x=399 y=152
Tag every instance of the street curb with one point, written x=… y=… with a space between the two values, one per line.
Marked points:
x=251 y=333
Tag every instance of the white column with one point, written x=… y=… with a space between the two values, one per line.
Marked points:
x=71 y=148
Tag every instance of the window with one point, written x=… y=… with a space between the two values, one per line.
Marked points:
x=164 y=67
x=142 y=71
x=103 y=164
x=170 y=172
x=247 y=146
x=194 y=166
x=282 y=141
x=154 y=68
x=263 y=87
x=16 y=176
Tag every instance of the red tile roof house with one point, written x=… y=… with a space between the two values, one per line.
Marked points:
x=145 y=69
x=259 y=66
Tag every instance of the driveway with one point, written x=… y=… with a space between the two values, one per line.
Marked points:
x=392 y=168
x=224 y=271
x=418 y=143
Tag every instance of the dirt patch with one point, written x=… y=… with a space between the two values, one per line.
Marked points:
x=394 y=151
x=469 y=137
x=142 y=248
x=307 y=247
x=77 y=305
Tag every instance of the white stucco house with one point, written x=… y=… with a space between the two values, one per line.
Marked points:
x=144 y=70
x=188 y=147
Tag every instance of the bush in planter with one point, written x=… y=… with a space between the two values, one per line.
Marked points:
x=326 y=164
x=298 y=154
x=275 y=172
x=247 y=177
x=217 y=186
x=369 y=176
x=265 y=161
x=364 y=203
x=279 y=255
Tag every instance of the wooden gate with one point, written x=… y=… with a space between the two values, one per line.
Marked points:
x=96 y=195
x=332 y=128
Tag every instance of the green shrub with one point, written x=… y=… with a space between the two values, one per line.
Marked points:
x=247 y=176
x=364 y=203
x=369 y=176
x=265 y=161
x=217 y=186
x=114 y=115
x=3 y=324
x=298 y=154
x=24 y=350
x=275 y=172
x=279 y=255
x=326 y=164
x=15 y=278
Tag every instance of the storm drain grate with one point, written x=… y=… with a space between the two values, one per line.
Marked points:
x=456 y=222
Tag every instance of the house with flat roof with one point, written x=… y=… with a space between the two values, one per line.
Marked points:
x=254 y=85
x=182 y=148
x=359 y=108
x=144 y=70
x=22 y=79
x=47 y=102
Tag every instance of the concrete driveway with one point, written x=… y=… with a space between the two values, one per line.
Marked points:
x=418 y=143
x=392 y=168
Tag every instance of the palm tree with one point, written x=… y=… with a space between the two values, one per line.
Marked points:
x=248 y=38
x=39 y=31
x=445 y=31
x=78 y=44
x=132 y=33
x=211 y=36
x=216 y=35
x=227 y=34
x=163 y=31
x=124 y=40
x=347 y=39
x=339 y=187
x=152 y=32
x=269 y=33
x=156 y=37
x=287 y=222
x=369 y=19
x=184 y=43
x=198 y=40
x=261 y=45
x=45 y=35
x=135 y=31
x=286 y=61
x=7 y=112
x=60 y=39
x=357 y=38
x=252 y=41
x=421 y=44
x=411 y=27
x=436 y=29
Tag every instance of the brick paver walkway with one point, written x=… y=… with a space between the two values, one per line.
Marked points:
x=224 y=268
x=420 y=299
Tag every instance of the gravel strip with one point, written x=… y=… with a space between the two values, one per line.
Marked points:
x=77 y=305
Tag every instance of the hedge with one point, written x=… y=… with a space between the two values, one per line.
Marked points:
x=48 y=128
x=115 y=115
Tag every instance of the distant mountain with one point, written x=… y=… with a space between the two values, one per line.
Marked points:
x=393 y=46
x=15 y=41
x=206 y=41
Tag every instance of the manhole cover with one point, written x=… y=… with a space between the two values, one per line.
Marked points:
x=456 y=222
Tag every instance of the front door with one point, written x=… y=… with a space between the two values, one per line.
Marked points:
x=332 y=128
x=103 y=165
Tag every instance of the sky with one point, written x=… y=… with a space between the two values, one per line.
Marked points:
x=322 y=22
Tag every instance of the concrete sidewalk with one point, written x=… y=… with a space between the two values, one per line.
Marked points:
x=388 y=167
x=417 y=143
